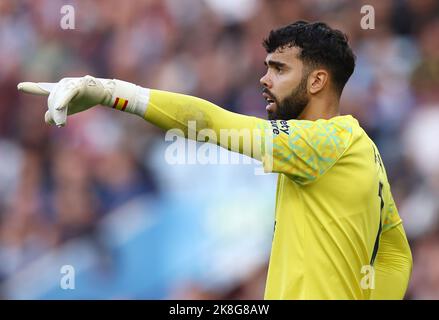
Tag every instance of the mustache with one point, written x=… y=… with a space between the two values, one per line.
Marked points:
x=266 y=91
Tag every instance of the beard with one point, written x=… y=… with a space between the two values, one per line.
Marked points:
x=292 y=106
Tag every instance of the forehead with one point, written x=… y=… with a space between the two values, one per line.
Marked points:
x=286 y=55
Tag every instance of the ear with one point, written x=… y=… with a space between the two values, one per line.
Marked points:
x=317 y=80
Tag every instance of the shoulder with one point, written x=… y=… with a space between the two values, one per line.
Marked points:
x=335 y=132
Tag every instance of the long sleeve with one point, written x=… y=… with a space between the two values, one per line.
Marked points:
x=169 y=111
x=393 y=265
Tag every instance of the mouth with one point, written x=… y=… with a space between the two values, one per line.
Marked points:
x=271 y=104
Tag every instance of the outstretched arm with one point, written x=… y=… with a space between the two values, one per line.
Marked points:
x=302 y=149
x=166 y=110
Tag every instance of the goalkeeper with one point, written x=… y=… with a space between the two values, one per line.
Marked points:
x=337 y=233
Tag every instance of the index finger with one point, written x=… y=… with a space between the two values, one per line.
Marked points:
x=39 y=88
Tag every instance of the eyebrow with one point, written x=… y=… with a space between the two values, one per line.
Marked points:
x=274 y=63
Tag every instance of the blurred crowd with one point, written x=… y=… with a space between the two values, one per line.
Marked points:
x=57 y=184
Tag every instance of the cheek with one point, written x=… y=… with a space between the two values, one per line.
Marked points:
x=286 y=85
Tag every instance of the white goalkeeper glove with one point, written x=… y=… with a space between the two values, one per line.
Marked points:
x=73 y=95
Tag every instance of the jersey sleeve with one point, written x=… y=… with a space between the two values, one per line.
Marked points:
x=304 y=150
x=393 y=266
x=195 y=118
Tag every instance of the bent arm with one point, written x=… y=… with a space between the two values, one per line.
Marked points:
x=393 y=266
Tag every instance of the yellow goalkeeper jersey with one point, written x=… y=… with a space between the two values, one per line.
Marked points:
x=333 y=201
x=333 y=197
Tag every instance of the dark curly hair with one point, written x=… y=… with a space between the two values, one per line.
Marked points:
x=320 y=46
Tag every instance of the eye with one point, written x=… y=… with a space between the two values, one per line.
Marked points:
x=278 y=69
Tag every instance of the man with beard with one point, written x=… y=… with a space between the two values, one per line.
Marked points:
x=337 y=233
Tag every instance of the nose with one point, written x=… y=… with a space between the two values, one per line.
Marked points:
x=265 y=81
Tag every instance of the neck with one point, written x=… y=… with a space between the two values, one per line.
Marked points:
x=321 y=108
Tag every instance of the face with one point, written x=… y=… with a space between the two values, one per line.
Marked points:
x=285 y=84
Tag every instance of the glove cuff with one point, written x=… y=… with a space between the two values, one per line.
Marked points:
x=126 y=96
